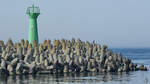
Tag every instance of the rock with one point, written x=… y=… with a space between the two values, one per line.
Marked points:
x=56 y=43
x=19 y=68
x=103 y=70
x=19 y=50
x=114 y=57
x=68 y=58
x=100 y=69
x=11 y=69
x=50 y=67
x=45 y=62
x=83 y=69
x=102 y=58
x=104 y=47
x=9 y=42
x=110 y=58
x=135 y=67
x=93 y=70
x=3 y=71
x=57 y=67
x=25 y=71
x=22 y=42
x=8 y=57
x=120 y=69
x=60 y=59
x=106 y=62
x=33 y=68
x=71 y=66
x=50 y=58
x=120 y=57
x=125 y=68
x=89 y=66
x=55 y=57
x=132 y=66
x=4 y=53
x=77 y=68
x=1 y=43
x=3 y=64
x=61 y=56
x=142 y=67
x=14 y=62
x=109 y=69
x=27 y=58
x=36 y=51
x=81 y=59
x=66 y=69
x=93 y=63
x=76 y=60
x=37 y=59
x=26 y=44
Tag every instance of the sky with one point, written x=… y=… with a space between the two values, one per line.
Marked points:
x=116 y=23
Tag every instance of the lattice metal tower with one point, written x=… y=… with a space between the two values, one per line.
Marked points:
x=33 y=13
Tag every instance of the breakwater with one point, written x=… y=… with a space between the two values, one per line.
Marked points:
x=61 y=56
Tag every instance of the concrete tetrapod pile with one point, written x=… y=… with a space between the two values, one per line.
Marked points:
x=63 y=56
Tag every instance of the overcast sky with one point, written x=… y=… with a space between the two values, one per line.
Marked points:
x=116 y=23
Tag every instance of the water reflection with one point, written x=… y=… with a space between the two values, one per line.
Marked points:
x=67 y=78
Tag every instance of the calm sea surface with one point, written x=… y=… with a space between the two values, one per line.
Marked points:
x=139 y=56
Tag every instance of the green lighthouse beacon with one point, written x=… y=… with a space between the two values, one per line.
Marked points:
x=33 y=13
